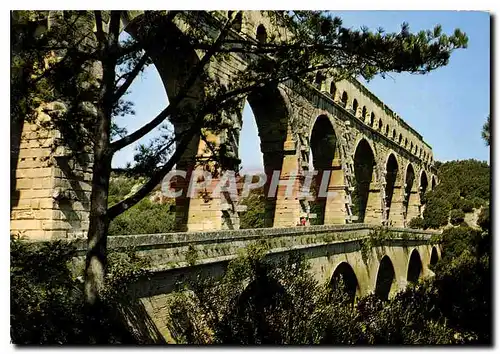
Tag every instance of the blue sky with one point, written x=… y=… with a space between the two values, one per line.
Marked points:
x=448 y=106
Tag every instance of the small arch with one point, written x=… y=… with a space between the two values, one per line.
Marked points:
x=261 y=34
x=344 y=272
x=434 y=256
x=406 y=142
x=345 y=98
x=411 y=147
x=372 y=119
x=380 y=124
x=363 y=112
x=333 y=90
x=414 y=267
x=355 y=106
x=238 y=19
x=386 y=277
x=318 y=80
x=400 y=138
x=394 y=134
x=387 y=130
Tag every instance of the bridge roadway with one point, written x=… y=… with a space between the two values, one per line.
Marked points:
x=367 y=260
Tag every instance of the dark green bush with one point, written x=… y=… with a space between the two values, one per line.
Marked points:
x=254 y=216
x=46 y=298
x=467 y=206
x=436 y=213
x=456 y=216
x=416 y=223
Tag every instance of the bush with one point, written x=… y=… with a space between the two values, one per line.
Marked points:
x=456 y=216
x=254 y=216
x=478 y=202
x=436 y=213
x=46 y=298
x=416 y=223
x=145 y=217
x=467 y=206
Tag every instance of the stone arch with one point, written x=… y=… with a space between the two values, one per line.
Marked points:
x=400 y=138
x=386 y=278
x=408 y=187
x=344 y=272
x=355 y=106
x=372 y=119
x=393 y=134
x=175 y=59
x=434 y=256
x=257 y=305
x=433 y=183
x=392 y=168
x=424 y=183
x=387 y=130
x=261 y=34
x=414 y=267
x=363 y=112
x=406 y=142
x=238 y=20
x=364 y=168
x=324 y=149
x=345 y=99
x=380 y=124
x=272 y=116
x=333 y=90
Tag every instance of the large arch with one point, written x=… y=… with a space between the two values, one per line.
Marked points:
x=272 y=115
x=174 y=59
x=414 y=267
x=386 y=278
x=255 y=312
x=324 y=150
x=409 y=181
x=345 y=275
x=364 y=162
x=424 y=183
x=391 y=176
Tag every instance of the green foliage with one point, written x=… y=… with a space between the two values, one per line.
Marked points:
x=145 y=217
x=47 y=304
x=467 y=206
x=486 y=133
x=254 y=216
x=456 y=216
x=436 y=213
x=259 y=301
x=416 y=223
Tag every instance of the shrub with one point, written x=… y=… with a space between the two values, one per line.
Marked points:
x=436 y=213
x=254 y=216
x=416 y=223
x=467 y=206
x=46 y=298
x=456 y=216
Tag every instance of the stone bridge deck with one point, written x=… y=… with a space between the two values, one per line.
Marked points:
x=369 y=259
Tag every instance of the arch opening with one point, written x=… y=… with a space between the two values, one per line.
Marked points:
x=414 y=267
x=433 y=183
x=333 y=90
x=238 y=19
x=271 y=117
x=380 y=125
x=372 y=119
x=363 y=112
x=344 y=279
x=390 y=178
x=409 y=179
x=434 y=256
x=261 y=34
x=345 y=98
x=424 y=183
x=324 y=151
x=355 y=106
x=364 y=162
x=385 y=278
